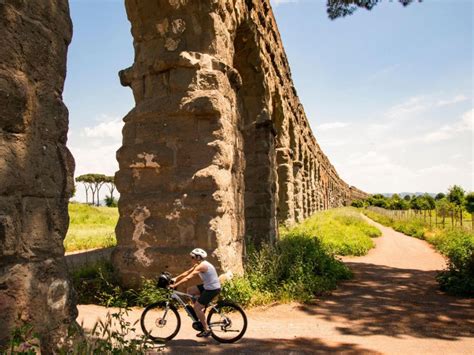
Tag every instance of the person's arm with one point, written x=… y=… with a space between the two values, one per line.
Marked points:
x=184 y=274
x=193 y=272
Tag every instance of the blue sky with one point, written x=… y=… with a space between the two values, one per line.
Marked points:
x=388 y=93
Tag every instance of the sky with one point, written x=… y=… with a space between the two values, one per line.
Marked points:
x=388 y=93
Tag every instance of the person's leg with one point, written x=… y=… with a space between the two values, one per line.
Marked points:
x=199 y=308
x=193 y=290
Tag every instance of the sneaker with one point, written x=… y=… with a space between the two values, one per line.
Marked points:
x=204 y=334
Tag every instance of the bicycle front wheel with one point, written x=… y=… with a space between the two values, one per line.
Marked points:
x=227 y=321
x=160 y=321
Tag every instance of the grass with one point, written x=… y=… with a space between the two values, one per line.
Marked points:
x=90 y=227
x=342 y=231
x=299 y=266
x=302 y=264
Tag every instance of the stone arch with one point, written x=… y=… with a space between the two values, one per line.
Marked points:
x=199 y=158
x=257 y=130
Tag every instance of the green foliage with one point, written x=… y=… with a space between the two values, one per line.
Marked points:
x=458 y=247
x=90 y=227
x=23 y=341
x=456 y=195
x=296 y=268
x=342 y=8
x=341 y=231
x=439 y=196
x=469 y=202
x=114 y=335
x=110 y=201
x=358 y=203
x=98 y=284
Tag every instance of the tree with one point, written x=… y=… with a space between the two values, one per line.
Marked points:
x=469 y=204
x=110 y=181
x=407 y=198
x=342 y=8
x=443 y=207
x=429 y=201
x=357 y=203
x=92 y=182
x=440 y=196
x=85 y=180
x=456 y=197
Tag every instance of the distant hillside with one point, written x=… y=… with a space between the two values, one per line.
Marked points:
x=389 y=194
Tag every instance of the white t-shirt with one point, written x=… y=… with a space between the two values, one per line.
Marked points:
x=209 y=278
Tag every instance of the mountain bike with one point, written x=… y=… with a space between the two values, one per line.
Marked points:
x=161 y=321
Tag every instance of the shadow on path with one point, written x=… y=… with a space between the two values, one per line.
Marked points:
x=264 y=346
x=383 y=300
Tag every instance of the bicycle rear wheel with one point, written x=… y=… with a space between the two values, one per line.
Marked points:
x=227 y=321
x=160 y=321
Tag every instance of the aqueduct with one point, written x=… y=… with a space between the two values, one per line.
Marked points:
x=217 y=151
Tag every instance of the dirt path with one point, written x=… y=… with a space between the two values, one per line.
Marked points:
x=392 y=306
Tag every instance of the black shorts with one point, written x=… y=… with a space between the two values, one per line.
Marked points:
x=207 y=295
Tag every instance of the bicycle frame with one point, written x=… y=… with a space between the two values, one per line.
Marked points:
x=176 y=296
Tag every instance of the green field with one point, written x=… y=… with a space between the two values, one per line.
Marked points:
x=90 y=227
x=342 y=231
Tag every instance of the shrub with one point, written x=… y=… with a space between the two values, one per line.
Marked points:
x=98 y=284
x=458 y=247
x=110 y=201
x=296 y=268
x=357 y=203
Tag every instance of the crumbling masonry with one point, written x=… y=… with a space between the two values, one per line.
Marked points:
x=36 y=168
x=218 y=150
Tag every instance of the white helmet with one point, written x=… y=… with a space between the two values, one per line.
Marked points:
x=199 y=252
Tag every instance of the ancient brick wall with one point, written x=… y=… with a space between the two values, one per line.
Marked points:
x=217 y=151
x=35 y=168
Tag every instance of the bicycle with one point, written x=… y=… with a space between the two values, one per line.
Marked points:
x=161 y=321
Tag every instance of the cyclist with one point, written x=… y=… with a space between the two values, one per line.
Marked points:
x=206 y=291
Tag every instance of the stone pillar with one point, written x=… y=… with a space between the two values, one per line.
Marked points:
x=286 y=209
x=180 y=162
x=298 y=182
x=36 y=169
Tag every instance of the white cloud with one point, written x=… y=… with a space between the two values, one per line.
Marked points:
x=450 y=131
x=454 y=100
x=109 y=127
x=331 y=125
x=413 y=105
x=279 y=2
x=94 y=148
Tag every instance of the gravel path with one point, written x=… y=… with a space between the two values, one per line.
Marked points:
x=392 y=306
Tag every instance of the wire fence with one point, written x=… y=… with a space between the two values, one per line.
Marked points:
x=436 y=218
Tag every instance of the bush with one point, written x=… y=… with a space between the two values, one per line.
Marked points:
x=296 y=268
x=110 y=201
x=458 y=247
x=358 y=203
x=98 y=284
